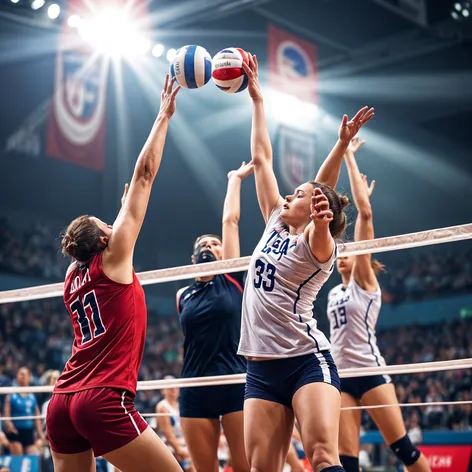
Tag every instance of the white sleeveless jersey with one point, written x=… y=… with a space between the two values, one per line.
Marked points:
x=283 y=281
x=174 y=421
x=353 y=314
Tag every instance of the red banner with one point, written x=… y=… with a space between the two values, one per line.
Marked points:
x=447 y=458
x=76 y=130
x=292 y=65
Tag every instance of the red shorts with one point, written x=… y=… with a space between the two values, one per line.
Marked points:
x=102 y=419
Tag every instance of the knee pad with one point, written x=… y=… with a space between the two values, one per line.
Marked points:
x=405 y=451
x=350 y=464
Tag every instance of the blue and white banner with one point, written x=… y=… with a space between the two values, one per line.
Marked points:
x=296 y=157
x=20 y=463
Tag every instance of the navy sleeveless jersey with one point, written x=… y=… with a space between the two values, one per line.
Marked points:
x=210 y=315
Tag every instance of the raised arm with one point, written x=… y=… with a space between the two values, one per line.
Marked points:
x=362 y=270
x=232 y=210
x=328 y=174
x=267 y=188
x=317 y=232
x=119 y=251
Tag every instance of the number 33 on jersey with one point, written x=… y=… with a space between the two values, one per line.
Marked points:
x=283 y=281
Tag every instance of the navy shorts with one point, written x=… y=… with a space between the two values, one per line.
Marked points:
x=277 y=380
x=358 y=386
x=211 y=402
x=25 y=437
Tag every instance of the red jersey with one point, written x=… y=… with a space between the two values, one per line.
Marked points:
x=109 y=321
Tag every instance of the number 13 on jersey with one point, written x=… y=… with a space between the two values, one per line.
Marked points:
x=339 y=316
x=265 y=275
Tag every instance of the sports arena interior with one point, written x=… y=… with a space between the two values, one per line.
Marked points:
x=80 y=88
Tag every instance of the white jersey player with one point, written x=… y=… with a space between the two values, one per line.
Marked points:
x=290 y=371
x=169 y=426
x=353 y=310
x=353 y=343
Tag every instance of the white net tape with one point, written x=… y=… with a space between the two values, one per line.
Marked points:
x=391 y=243
x=241 y=378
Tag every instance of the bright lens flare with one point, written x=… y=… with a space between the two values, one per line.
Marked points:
x=111 y=33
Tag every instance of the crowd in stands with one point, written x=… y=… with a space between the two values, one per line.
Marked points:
x=34 y=252
x=38 y=335
x=424 y=275
x=427 y=343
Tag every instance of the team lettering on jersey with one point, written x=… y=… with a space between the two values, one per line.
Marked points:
x=79 y=281
x=280 y=246
x=341 y=301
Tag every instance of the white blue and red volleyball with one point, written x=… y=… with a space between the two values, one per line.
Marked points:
x=191 y=66
x=228 y=73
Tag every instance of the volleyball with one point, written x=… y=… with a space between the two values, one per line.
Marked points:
x=191 y=66
x=228 y=74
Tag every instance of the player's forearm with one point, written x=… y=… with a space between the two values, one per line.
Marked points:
x=39 y=428
x=232 y=204
x=329 y=171
x=149 y=159
x=321 y=243
x=261 y=147
x=359 y=193
x=173 y=442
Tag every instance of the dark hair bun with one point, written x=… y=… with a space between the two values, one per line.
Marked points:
x=344 y=200
x=69 y=246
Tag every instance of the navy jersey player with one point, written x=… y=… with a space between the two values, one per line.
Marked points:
x=210 y=315
x=290 y=371
x=353 y=309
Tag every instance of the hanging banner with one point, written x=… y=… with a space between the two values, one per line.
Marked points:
x=76 y=126
x=292 y=65
x=296 y=157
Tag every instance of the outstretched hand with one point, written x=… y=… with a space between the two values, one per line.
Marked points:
x=355 y=144
x=243 y=171
x=369 y=188
x=168 y=97
x=252 y=71
x=320 y=213
x=349 y=128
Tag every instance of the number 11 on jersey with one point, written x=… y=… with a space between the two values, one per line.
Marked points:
x=79 y=307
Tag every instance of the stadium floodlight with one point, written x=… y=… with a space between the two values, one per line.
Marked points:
x=171 y=54
x=37 y=4
x=158 y=50
x=53 y=11
x=74 y=21
x=111 y=33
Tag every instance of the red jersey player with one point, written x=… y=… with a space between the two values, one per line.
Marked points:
x=92 y=409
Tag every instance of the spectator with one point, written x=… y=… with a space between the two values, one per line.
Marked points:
x=414 y=430
x=21 y=432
